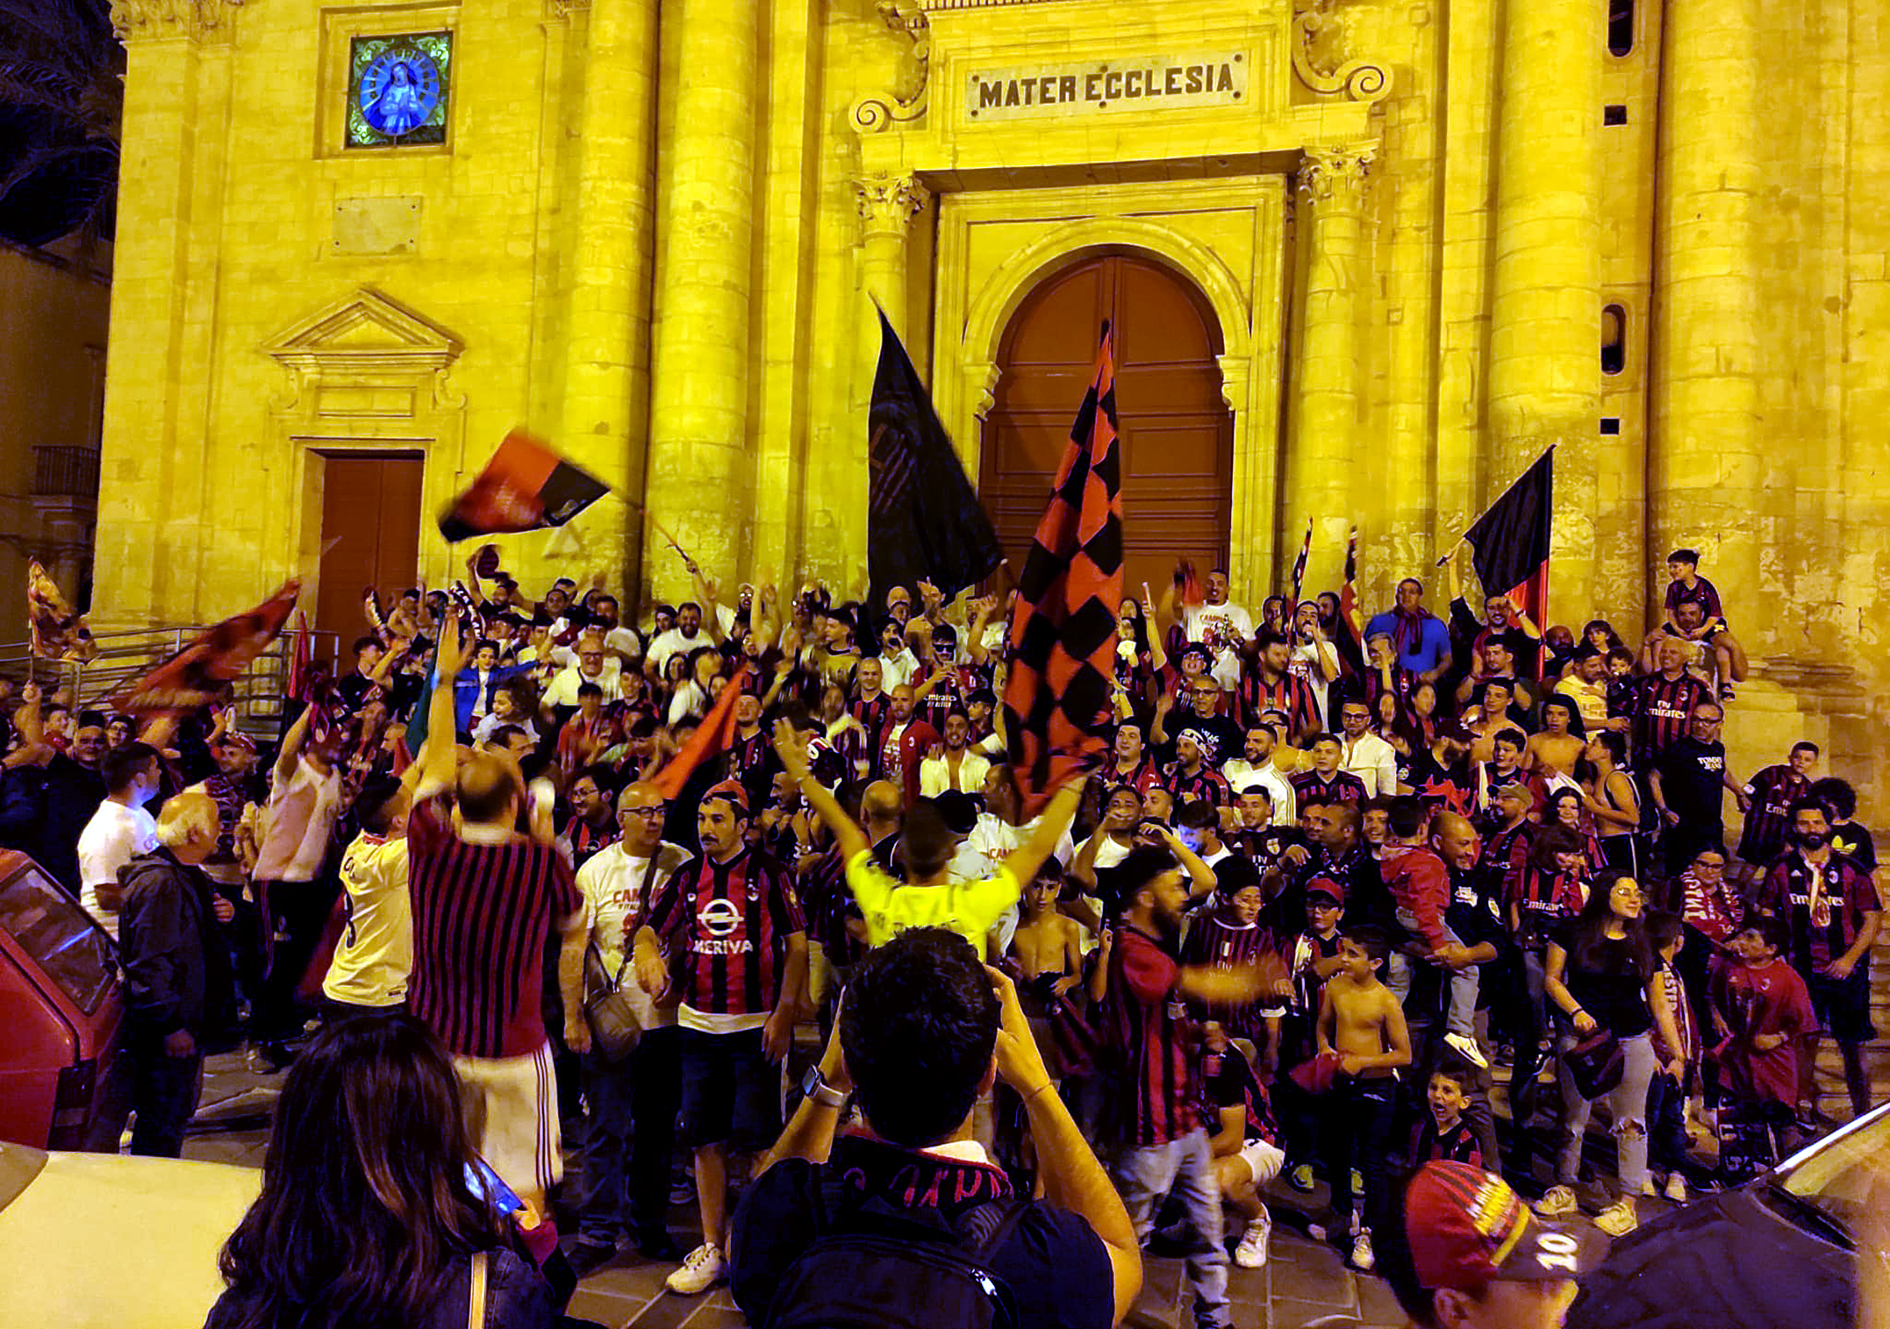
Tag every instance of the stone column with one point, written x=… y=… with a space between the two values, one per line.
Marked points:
x=607 y=373
x=1320 y=475
x=699 y=482
x=1705 y=471
x=1545 y=337
x=888 y=203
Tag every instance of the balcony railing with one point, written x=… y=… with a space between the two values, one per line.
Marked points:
x=61 y=471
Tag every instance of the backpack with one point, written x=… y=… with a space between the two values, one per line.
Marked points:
x=886 y=1269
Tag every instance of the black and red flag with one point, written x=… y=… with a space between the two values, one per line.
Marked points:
x=1063 y=625
x=525 y=487
x=1510 y=542
x=195 y=676
x=923 y=521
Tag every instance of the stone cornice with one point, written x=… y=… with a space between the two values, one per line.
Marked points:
x=132 y=19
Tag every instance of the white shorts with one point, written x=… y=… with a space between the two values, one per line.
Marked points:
x=1263 y=1159
x=512 y=1113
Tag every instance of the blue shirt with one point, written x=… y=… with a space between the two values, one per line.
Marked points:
x=1421 y=653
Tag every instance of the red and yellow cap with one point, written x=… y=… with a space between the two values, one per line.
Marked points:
x=1466 y=1228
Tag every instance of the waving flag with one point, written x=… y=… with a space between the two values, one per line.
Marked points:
x=1511 y=540
x=1299 y=565
x=923 y=521
x=195 y=675
x=1063 y=628
x=712 y=737
x=1348 y=595
x=58 y=633
x=525 y=487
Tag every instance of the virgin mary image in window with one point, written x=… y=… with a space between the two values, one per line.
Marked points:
x=399 y=92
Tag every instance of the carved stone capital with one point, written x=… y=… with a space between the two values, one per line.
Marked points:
x=888 y=201
x=1333 y=175
x=132 y=19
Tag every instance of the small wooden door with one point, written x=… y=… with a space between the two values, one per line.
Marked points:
x=371 y=532
x=1177 y=445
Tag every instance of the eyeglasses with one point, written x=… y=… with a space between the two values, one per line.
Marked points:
x=659 y=810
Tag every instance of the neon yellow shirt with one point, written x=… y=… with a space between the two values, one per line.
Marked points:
x=969 y=908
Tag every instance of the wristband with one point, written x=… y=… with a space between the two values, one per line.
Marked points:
x=1047 y=1084
x=814 y=1085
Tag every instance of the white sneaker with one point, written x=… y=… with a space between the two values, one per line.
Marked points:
x=1677 y=1188
x=1252 y=1251
x=1618 y=1219
x=1466 y=1047
x=1556 y=1202
x=701 y=1270
x=1362 y=1251
x=1647 y=1188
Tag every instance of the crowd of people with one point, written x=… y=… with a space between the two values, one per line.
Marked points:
x=1331 y=890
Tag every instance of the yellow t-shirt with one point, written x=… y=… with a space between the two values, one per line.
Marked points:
x=968 y=908
x=375 y=954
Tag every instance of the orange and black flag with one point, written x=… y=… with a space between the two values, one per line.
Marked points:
x=58 y=632
x=195 y=676
x=1063 y=626
x=714 y=736
x=525 y=487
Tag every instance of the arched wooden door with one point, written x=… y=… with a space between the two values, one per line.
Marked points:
x=1177 y=434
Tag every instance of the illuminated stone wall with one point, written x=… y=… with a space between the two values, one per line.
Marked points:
x=657 y=242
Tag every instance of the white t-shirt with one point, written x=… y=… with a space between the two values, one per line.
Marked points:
x=611 y=883
x=1225 y=628
x=935 y=775
x=375 y=954
x=1305 y=663
x=1243 y=774
x=112 y=838
x=564 y=688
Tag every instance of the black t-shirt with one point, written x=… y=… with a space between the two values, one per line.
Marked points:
x=1224 y=738
x=1855 y=843
x=1473 y=913
x=1691 y=781
x=1609 y=983
x=1055 y=1265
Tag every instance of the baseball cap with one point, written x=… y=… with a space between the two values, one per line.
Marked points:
x=1326 y=886
x=1466 y=1228
x=730 y=791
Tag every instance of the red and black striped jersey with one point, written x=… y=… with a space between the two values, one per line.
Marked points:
x=1310 y=786
x=725 y=927
x=1702 y=593
x=1662 y=707
x=1824 y=903
x=1227 y=1080
x=1772 y=791
x=586 y=839
x=1142 y=779
x=1291 y=696
x=1216 y=939
x=1206 y=785
x=1151 y=1036
x=1456 y=1145
x=872 y=715
x=1545 y=900
x=1505 y=855
x=482 y=915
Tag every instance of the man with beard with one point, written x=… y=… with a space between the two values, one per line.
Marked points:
x=1219 y=736
x=1441 y=774
x=750 y=759
x=681 y=639
x=955 y=765
x=1419 y=637
x=1662 y=704
x=1157 y=1068
x=1689 y=784
x=1254 y=767
x=592 y=828
x=1271 y=686
x=1334 y=850
x=1834 y=913
x=1222 y=627
x=903 y=743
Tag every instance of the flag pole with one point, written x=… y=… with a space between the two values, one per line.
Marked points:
x=1472 y=526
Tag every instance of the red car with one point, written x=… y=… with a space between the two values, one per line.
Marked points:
x=62 y=1010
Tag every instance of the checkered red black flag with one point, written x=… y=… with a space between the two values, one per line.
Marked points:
x=1063 y=626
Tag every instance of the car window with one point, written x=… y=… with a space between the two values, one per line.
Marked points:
x=67 y=946
x=1842 y=1175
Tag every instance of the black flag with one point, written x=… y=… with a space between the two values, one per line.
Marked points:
x=1511 y=540
x=923 y=521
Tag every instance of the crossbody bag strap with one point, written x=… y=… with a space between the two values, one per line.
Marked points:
x=643 y=908
x=476 y=1294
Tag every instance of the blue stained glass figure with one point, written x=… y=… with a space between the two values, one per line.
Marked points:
x=399 y=91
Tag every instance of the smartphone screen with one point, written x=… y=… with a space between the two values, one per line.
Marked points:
x=491 y=1186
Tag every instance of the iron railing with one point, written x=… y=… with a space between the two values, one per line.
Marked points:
x=60 y=471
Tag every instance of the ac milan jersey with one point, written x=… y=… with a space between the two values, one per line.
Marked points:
x=1662 y=707
x=1227 y=1080
x=482 y=914
x=1144 y=778
x=586 y=840
x=1772 y=791
x=1701 y=593
x=1456 y=1145
x=1712 y=908
x=1290 y=696
x=1770 y=999
x=725 y=926
x=1340 y=787
x=1544 y=900
x=1217 y=940
x=1505 y=854
x=1206 y=785
x=872 y=715
x=1825 y=904
x=1151 y=1035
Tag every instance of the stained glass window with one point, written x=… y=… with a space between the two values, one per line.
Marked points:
x=398 y=89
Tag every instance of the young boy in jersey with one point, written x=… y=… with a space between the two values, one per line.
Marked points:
x=1361 y=1021
x=1441 y=1131
x=1761 y=1010
x=1244 y=1137
x=1690 y=588
x=1312 y=958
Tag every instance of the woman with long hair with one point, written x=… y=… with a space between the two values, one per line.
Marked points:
x=1613 y=800
x=1601 y=974
x=370 y=1216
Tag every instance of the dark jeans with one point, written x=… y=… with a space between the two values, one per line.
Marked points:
x=1694 y=963
x=164 y=1092
x=296 y=912
x=1667 y=1124
x=633 y=1108
x=1356 y=1131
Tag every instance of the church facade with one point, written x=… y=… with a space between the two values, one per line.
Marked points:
x=1366 y=259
